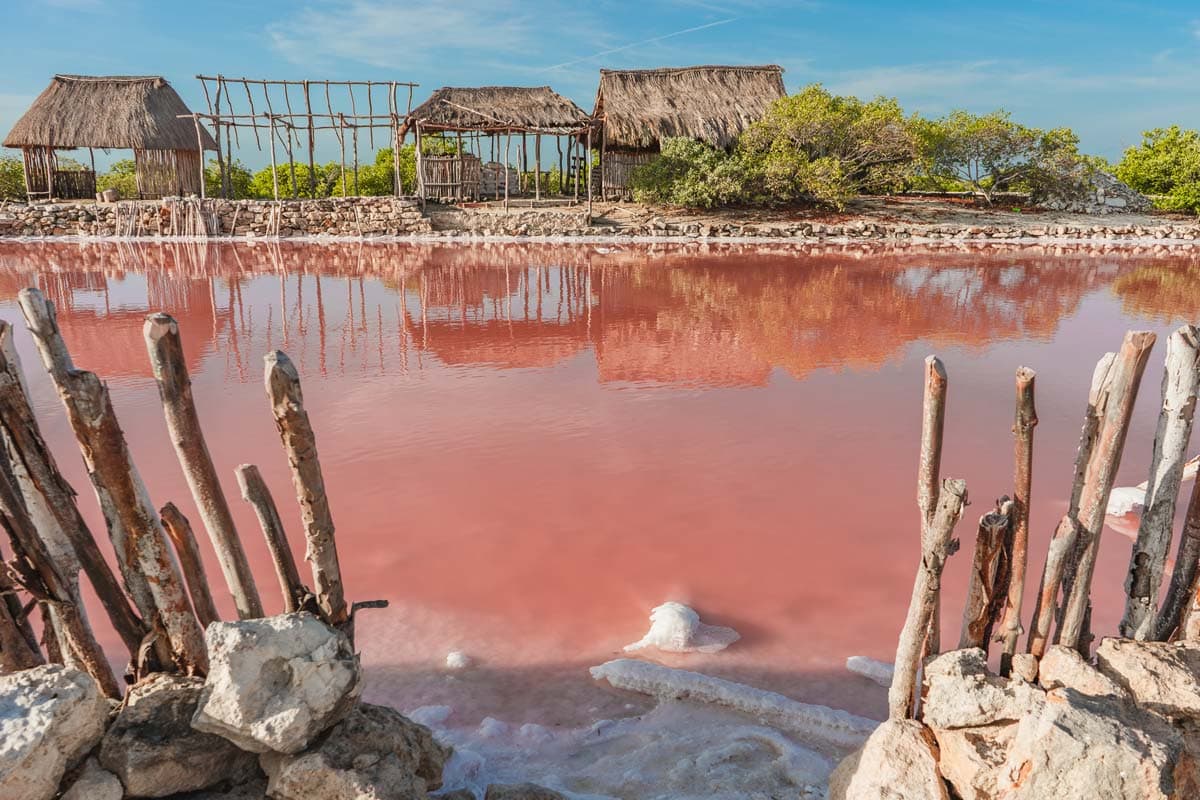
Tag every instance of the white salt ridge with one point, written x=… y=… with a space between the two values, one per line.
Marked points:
x=826 y=724
x=676 y=628
x=456 y=659
x=878 y=671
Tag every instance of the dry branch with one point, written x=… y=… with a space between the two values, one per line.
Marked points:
x=188 y=551
x=133 y=524
x=1026 y=420
x=935 y=548
x=1115 y=408
x=1061 y=548
x=1181 y=380
x=1187 y=560
x=18 y=646
x=175 y=389
x=989 y=553
x=287 y=404
x=256 y=493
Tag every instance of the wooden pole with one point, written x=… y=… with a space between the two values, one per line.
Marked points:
x=1061 y=548
x=200 y=147
x=507 y=159
x=180 y=532
x=1115 y=409
x=134 y=526
x=287 y=404
x=274 y=168
x=587 y=153
x=312 y=164
x=537 y=166
x=44 y=487
x=18 y=647
x=1187 y=564
x=165 y=348
x=933 y=421
x=935 y=549
x=1026 y=420
x=989 y=552
x=1181 y=380
x=256 y=493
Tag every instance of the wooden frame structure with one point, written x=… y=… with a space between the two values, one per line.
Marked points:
x=231 y=109
x=480 y=118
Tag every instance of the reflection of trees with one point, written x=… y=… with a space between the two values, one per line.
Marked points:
x=1170 y=292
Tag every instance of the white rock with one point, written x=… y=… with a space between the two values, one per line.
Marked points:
x=1064 y=667
x=95 y=783
x=1161 y=676
x=676 y=628
x=879 y=672
x=274 y=684
x=50 y=716
x=959 y=693
x=898 y=762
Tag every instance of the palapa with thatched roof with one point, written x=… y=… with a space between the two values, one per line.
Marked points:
x=139 y=113
x=637 y=109
x=489 y=112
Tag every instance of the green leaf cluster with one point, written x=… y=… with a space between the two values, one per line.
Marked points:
x=1165 y=165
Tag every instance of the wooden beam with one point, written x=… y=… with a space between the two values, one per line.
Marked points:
x=1025 y=421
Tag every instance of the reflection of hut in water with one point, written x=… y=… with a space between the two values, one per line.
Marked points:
x=122 y=113
x=483 y=122
x=636 y=109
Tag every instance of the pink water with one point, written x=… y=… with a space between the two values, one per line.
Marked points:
x=527 y=447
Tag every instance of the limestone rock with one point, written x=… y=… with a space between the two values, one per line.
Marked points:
x=1161 y=676
x=898 y=762
x=274 y=684
x=454 y=794
x=1025 y=667
x=253 y=789
x=521 y=791
x=971 y=758
x=154 y=750
x=1064 y=667
x=50 y=716
x=959 y=692
x=94 y=783
x=373 y=754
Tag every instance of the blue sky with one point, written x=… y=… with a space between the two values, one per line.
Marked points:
x=1107 y=68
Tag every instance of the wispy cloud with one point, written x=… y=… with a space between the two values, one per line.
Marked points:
x=642 y=43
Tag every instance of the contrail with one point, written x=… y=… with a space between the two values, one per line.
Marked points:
x=644 y=41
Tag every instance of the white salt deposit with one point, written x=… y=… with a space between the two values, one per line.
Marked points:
x=430 y=715
x=676 y=628
x=878 y=671
x=456 y=659
x=817 y=722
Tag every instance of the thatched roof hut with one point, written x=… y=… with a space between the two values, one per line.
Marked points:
x=637 y=108
x=139 y=113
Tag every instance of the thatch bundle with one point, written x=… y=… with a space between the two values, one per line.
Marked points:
x=713 y=104
x=498 y=109
x=121 y=112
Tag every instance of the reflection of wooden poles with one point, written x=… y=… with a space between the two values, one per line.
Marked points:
x=1182 y=578
x=134 y=526
x=1181 y=379
x=935 y=549
x=43 y=485
x=1026 y=420
x=985 y=568
x=933 y=420
x=175 y=390
x=180 y=532
x=287 y=404
x=1115 y=407
x=256 y=493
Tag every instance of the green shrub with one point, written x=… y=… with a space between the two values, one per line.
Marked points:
x=1167 y=165
x=12 y=178
x=687 y=173
x=120 y=176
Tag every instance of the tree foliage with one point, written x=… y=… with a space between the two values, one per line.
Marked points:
x=121 y=176
x=12 y=178
x=1167 y=165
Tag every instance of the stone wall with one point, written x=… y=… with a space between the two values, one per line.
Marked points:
x=350 y=216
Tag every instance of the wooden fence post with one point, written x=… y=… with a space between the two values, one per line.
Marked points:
x=982 y=589
x=1181 y=380
x=18 y=646
x=175 y=390
x=1026 y=420
x=133 y=523
x=1062 y=546
x=287 y=404
x=935 y=549
x=933 y=421
x=1183 y=577
x=179 y=530
x=1115 y=410
x=256 y=493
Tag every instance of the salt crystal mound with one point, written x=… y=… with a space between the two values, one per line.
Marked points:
x=877 y=671
x=456 y=659
x=827 y=724
x=676 y=628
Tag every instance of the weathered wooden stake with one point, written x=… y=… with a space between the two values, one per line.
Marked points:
x=989 y=552
x=179 y=530
x=175 y=390
x=1181 y=380
x=42 y=485
x=287 y=404
x=1115 y=410
x=1187 y=562
x=935 y=548
x=133 y=524
x=18 y=646
x=1026 y=420
x=256 y=493
x=933 y=421
x=1062 y=546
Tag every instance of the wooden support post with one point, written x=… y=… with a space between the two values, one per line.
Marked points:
x=200 y=147
x=507 y=159
x=537 y=166
x=1115 y=409
x=44 y=487
x=933 y=421
x=134 y=526
x=287 y=404
x=274 y=168
x=1062 y=546
x=1187 y=564
x=312 y=164
x=1025 y=421
x=165 y=348
x=180 y=532
x=256 y=493
x=1181 y=380
x=985 y=567
x=587 y=160
x=935 y=549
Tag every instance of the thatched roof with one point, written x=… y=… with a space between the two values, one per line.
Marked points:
x=118 y=112
x=499 y=108
x=641 y=107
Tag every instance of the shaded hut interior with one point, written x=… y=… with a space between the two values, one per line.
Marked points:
x=143 y=114
x=485 y=129
x=637 y=109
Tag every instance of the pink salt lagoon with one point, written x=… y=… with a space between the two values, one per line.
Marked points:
x=527 y=447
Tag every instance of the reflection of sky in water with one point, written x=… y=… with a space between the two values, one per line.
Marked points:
x=529 y=447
